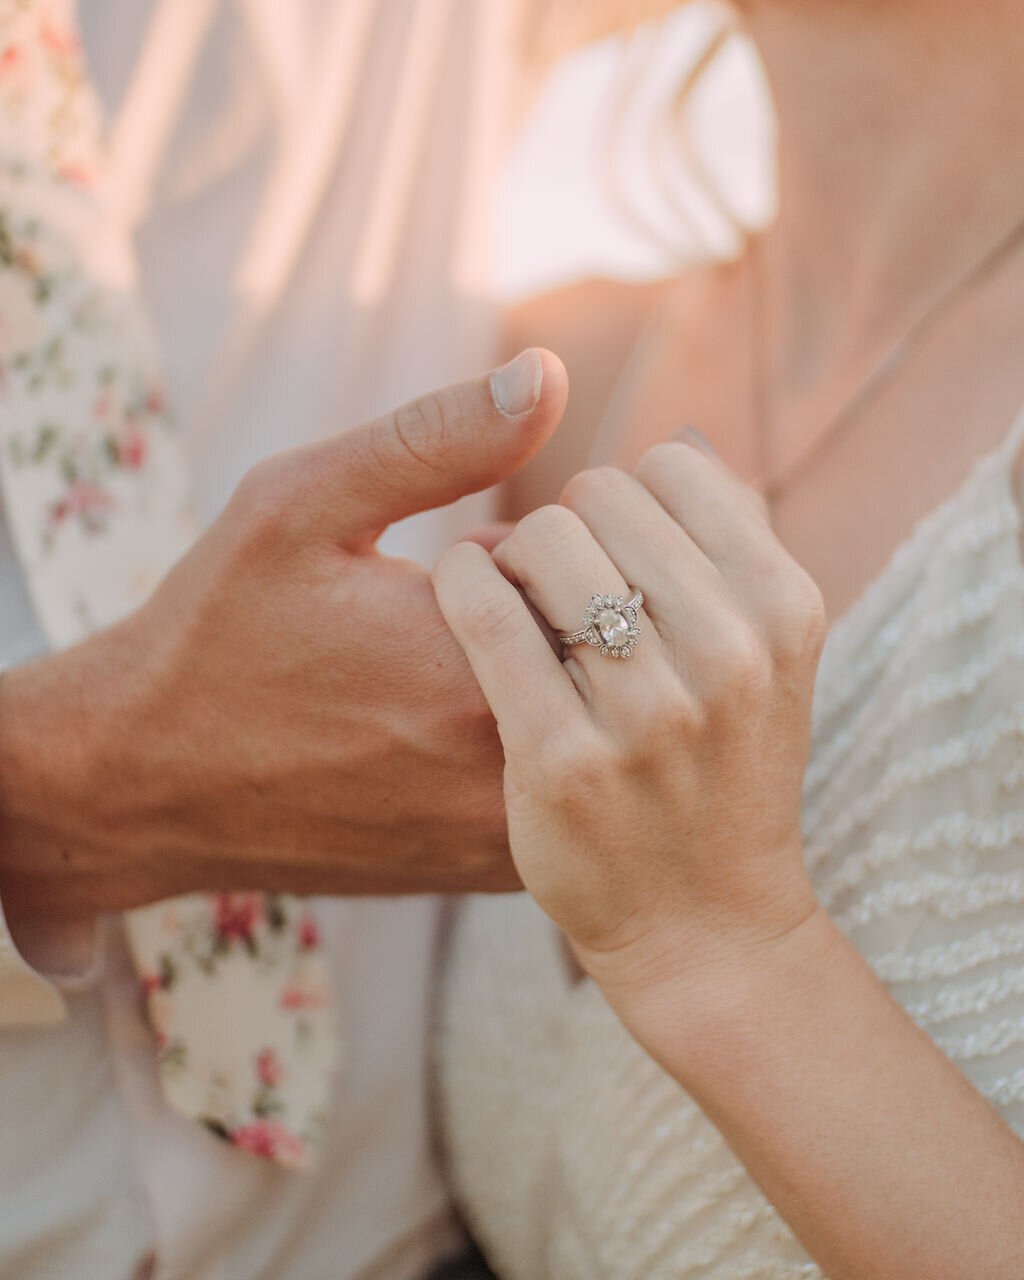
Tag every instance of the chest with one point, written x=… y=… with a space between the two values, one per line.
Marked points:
x=841 y=515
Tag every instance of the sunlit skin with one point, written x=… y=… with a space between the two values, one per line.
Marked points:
x=288 y=710
x=901 y=163
x=890 y=189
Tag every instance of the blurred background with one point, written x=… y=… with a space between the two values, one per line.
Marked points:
x=636 y=153
x=333 y=200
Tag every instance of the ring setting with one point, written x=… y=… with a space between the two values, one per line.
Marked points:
x=610 y=625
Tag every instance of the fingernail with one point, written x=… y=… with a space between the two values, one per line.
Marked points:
x=690 y=435
x=516 y=385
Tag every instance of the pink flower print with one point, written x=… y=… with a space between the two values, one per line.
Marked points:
x=269 y=1068
x=161 y=1014
x=155 y=400
x=25 y=259
x=309 y=932
x=237 y=915
x=270 y=1138
x=103 y=405
x=87 y=501
x=58 y=40
x=162 y=978
x=11 y=60
x=132 y=446
x=78 y=174
x=297 y=995
x=18 y=70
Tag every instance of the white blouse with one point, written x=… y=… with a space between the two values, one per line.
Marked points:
x=573 y=1154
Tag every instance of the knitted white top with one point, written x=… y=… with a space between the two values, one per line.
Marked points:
x=574 y=1156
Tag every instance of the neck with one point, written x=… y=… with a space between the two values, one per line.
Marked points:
x=901 y=154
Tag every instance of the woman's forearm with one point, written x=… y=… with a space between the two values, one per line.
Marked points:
x=881 y=1156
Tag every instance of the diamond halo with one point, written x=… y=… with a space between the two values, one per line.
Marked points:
x=609 y=625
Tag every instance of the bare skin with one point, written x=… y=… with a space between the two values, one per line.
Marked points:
x=902 y=163
x=288 y=711
x=911 y=450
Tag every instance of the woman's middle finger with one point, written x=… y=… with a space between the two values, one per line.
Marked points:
x=558 y=563
x=687 y=598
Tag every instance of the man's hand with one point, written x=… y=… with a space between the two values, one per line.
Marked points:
x=289 y=710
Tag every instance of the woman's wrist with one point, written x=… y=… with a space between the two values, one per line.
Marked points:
x=713 y=1007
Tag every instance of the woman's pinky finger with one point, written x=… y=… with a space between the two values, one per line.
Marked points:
x=526 y=686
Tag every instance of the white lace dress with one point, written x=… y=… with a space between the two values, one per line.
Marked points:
x=574 y=1156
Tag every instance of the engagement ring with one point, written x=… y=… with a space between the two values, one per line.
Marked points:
x=610 y=625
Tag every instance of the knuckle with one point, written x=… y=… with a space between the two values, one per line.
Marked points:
x=678 y=713
x=663 y=459
x=742 y=661
x=797 y=621
x=575 y=769
x=263 y=504
x=489 y=619
x=591 y=485
x=250 y=490
x=420 y=430
x=544 y=530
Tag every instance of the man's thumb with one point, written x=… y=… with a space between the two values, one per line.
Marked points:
x=446 y=444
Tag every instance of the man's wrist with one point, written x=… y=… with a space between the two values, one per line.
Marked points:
x=56 y=772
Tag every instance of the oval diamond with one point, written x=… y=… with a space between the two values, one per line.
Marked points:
x=613 y=627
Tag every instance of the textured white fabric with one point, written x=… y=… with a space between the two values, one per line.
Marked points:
x=574 y=1155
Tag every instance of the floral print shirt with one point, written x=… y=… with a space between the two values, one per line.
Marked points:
x=97 y=497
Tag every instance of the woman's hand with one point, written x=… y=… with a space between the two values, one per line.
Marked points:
x=654 y=802
x=654 y=814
